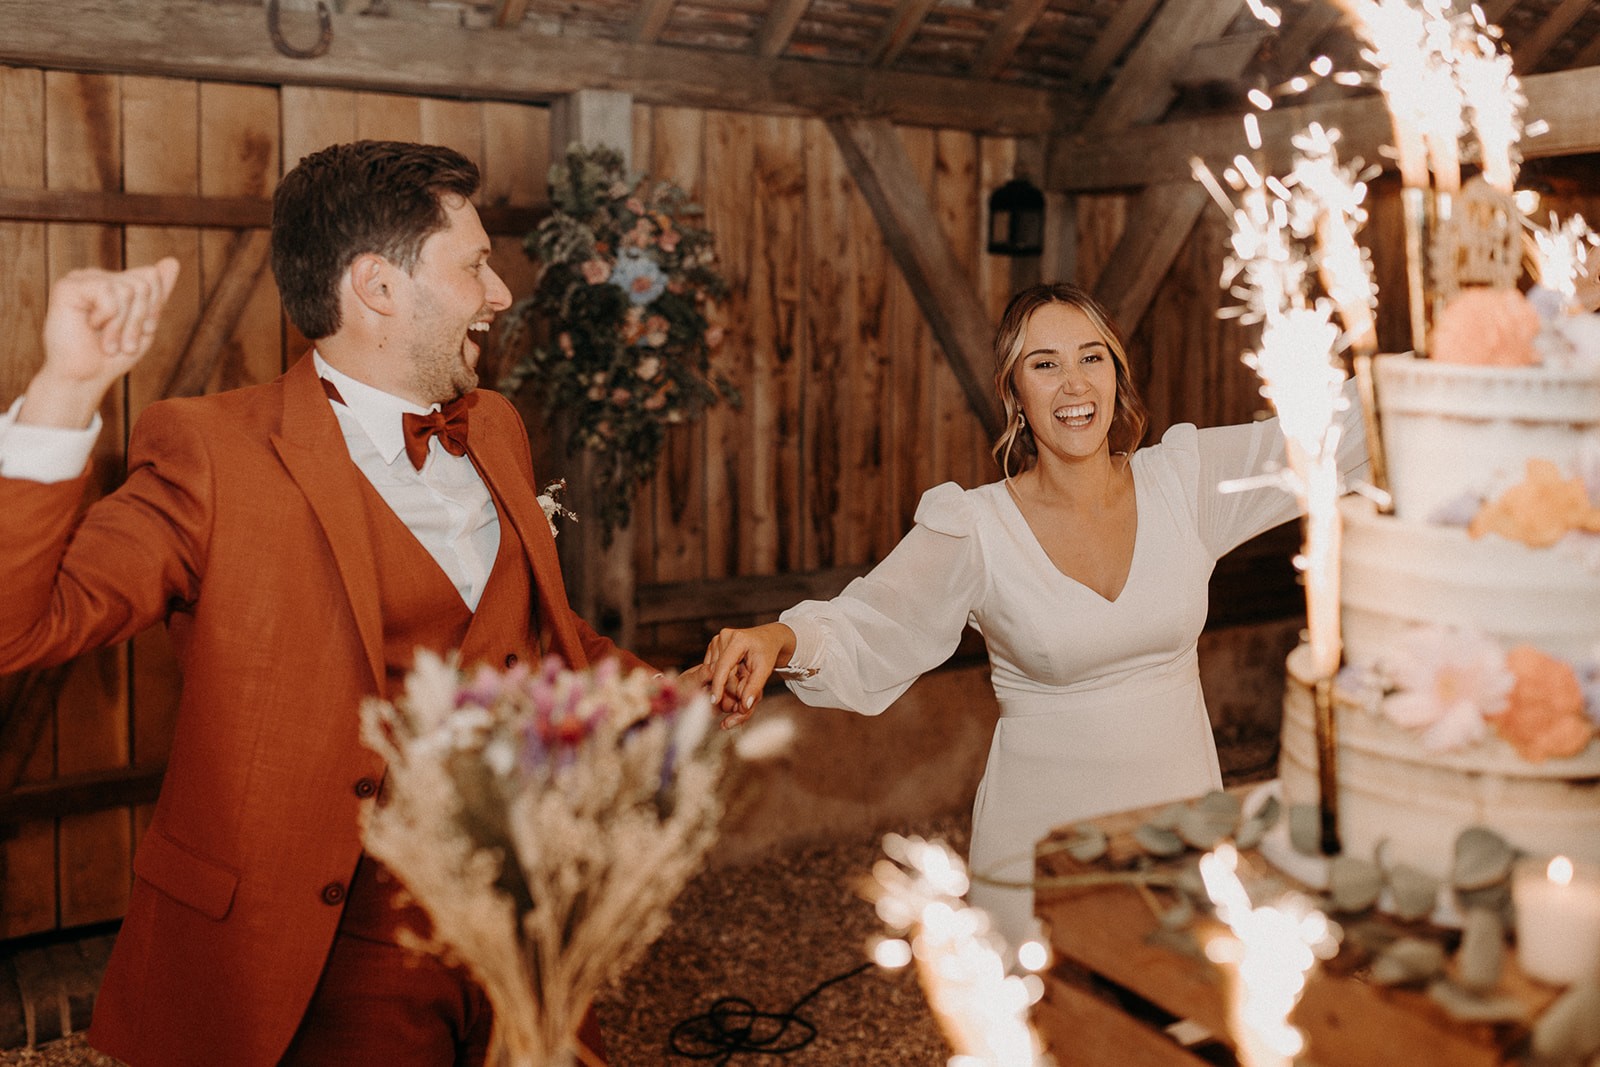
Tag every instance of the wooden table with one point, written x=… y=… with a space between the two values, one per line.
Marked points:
x=1112 y=988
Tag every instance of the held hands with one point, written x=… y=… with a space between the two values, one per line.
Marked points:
x=99 y=324
x=741 y=661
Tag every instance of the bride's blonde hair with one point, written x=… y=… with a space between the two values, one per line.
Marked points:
x=1128 y=420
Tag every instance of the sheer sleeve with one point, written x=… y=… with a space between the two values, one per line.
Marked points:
x=1225 y=453
x=865 y=647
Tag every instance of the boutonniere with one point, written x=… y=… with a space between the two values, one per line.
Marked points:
x=550 y=501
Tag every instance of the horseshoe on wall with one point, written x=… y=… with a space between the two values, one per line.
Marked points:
x=324 y=33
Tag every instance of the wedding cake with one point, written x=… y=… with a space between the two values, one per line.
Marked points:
x=1470 y=616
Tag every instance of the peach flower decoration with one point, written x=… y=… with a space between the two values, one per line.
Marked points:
x=1487 y=327
x=596 y=271
x=1540 y=510
x=1544 y=718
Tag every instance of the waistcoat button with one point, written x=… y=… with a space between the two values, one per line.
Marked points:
x=333 y=893
x=366 y=787
x=511 y=660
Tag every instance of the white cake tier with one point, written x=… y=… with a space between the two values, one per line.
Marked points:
x=1397 y=574
x=1450 y=429
x=1392 y=790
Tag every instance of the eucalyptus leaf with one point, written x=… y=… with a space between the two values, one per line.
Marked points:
x=1482 y=954
x=1483 y=859
x=1167 y=818
x=1221 y=803
x=1466 y=1006
x=1190 y=882
x=1413 y=893
x=1251 y=832
x=1268 y=811
x=1180 y=915
x=1408 y=961
x=1158 y=841
x=1305 y=829
x=1202 y=827
x=1353 y=884
x=1087 y=844
x=1570 y=1028
x=1494 y=898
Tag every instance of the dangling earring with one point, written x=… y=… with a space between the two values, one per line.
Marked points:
x=1022 y=421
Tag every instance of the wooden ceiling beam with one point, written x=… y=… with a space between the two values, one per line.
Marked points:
x=1564 y=100
x=904 y=22
x=1007 y=37
x=1161 y=220
x=1122 y=27
x=1526 y=57
x=778 y=27
x=651 y=20
x=189 y=39
x=877 y=160
x=509 y=12
x=1144 y=87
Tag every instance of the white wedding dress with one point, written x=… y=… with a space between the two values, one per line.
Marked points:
x=1100 y=701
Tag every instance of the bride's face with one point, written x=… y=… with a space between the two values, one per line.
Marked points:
x=1066 y=380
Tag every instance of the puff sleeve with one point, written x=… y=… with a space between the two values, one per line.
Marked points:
x=863 y=649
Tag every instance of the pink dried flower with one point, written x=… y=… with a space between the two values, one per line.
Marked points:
x=596 y=271
x=1446 y=682
x=1544 y=718
x=1487 y=327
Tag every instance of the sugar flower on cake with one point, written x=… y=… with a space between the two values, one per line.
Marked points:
x=1487 y=327
x=1445 y=682
x=1539 y=510
x=1544 y=717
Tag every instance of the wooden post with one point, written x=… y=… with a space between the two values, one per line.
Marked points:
x=600 y=577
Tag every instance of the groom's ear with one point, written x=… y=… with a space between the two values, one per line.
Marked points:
x=371 y=281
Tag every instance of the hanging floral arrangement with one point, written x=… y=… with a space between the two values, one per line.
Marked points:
x=628 y=294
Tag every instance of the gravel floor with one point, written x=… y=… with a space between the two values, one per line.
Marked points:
x=768 y=932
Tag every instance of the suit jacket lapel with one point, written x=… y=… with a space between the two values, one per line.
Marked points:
x=313 y=450
x=497 y=462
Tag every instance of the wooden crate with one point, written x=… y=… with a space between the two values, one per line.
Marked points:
x=1115 y=985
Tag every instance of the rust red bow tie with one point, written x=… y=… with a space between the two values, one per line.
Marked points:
x=449 y=422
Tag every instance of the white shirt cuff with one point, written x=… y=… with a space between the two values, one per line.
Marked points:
x=807 y=657
x=44 y=453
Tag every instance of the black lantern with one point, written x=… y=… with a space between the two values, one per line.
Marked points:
x=1016 y=219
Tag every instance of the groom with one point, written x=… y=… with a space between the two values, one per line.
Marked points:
x=301 y=540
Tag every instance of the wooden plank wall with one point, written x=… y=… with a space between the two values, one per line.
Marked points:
x=66 y=131
x=849 y=409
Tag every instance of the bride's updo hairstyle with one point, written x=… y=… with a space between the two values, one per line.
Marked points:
x=1128 y=421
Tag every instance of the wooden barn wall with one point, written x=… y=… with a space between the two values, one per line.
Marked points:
x=849 y=410
x=73 y=132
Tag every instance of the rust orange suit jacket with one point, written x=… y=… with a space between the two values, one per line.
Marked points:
x=241 y=525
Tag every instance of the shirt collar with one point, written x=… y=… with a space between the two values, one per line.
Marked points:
x=378 y=413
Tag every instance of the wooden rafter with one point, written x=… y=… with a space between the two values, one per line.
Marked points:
x=651 y=20
x=779 y=26
x=1527 y=56
x=902 y=27
x=1128 y=20
x=189 y=39
x=1143 y=89
x=1163 y=217
x=1564 y=100
x=877 y=160
x=509 y=12
x=1007 y=37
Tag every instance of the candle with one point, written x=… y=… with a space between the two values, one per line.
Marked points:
x=1558 y=919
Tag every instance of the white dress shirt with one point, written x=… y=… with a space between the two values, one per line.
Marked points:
x=446 y=505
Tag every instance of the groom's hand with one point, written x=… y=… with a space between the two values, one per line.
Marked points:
x=98 y=325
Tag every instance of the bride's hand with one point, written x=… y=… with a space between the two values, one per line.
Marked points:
x=741 y=661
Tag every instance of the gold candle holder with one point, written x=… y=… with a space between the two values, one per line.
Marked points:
x=1377 y=462
x=1414 y=211
x=1327 y=766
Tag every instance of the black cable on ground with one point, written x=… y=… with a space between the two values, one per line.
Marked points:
x=734 y=1025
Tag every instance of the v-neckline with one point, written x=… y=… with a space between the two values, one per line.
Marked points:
x=1038 y=547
